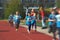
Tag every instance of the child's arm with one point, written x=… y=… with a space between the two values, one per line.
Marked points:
x=19 y=17
x=50 y=20
x=9 y=17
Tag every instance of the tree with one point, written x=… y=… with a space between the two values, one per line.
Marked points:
x=58 y=3
x=12 y=6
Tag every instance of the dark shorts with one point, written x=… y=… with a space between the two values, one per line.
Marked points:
x=28 y=24
x=34 y=23
x=17 y=25
x=58 y=28
x=53 y=28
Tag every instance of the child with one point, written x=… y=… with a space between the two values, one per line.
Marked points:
x=17 y=18
x=52 y=23
x=28 y=22
x=58 y=22
x=51 y=20
x=11 y=19
x=33 y=17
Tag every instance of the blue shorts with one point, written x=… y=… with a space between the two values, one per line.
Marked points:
x=33 y=22
x=28 y=24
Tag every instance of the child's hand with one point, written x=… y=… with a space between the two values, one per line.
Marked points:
x=29 y=19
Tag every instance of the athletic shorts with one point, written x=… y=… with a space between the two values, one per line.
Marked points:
x=34 y=22
x=53 y=28
x=17 y=26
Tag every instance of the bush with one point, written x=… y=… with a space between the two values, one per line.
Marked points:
x=58 y=3
x=12 y=7
x=47 y=12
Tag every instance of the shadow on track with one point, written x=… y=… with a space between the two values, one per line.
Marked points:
x=4 y=30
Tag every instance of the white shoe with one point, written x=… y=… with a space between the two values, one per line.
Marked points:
x=28 y=31
x=16 y=30
x=53 y=39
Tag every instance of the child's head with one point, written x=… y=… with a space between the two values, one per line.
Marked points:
x=32 y=11
x=58 y=11
x=17 y=13
x=52 y=11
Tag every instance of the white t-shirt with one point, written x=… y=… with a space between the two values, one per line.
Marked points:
x=58 y=17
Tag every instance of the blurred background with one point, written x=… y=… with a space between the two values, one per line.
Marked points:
x=23 y=6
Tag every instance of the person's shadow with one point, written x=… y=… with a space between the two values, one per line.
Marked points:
x=4 y=30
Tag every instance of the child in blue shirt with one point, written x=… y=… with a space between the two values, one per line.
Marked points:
x=58 y=22
x=11 y=19
x=28 y=22
x=33 y=21
x=51 y=21
x=52 y=24
x=16 y=19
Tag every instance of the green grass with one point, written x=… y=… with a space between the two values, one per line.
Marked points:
x=40 y=24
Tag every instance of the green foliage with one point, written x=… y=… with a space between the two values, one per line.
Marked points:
x=47 y=12
x=21 y=10
x=58 y=3
x=12 y=7
x=47 y=9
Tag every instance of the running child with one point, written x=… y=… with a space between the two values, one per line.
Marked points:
x=11 y=19
x=51 y=20
x=28 y=22
x=52 y=24
x=17 y=18
x=58 y=22
x=33 y=17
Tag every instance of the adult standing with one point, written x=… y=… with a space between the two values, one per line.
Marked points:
x=43 y=17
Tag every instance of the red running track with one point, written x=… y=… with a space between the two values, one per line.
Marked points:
x=9 y=33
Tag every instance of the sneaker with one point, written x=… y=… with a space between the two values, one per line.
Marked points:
x=49 y=31
x=16 y=30
x=53 y=39
x=28 y=31
x=44 y=27
x=35 y=30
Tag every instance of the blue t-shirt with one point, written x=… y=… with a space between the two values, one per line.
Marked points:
x=58 y=20
x=17 y=18
x=33 y=19
x=51 y=17
x=28 y=20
